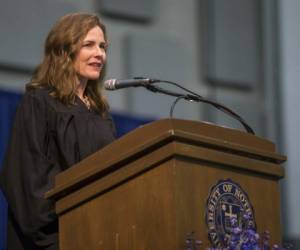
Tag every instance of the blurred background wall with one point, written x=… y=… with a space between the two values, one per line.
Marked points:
x=242 y=53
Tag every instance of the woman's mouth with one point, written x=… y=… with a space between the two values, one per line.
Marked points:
x=96 y=65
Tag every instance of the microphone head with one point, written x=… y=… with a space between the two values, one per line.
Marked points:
x=110 y=84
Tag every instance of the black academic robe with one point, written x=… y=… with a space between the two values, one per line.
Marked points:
x=47 y=138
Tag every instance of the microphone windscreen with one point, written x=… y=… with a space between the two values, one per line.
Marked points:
x=110 y=84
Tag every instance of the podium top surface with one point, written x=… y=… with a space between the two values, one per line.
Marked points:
x=153 y=135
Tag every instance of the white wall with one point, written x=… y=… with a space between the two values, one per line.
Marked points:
x=290 y=92
x=175 y=20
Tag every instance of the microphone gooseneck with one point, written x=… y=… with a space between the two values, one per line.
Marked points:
x=114 y=84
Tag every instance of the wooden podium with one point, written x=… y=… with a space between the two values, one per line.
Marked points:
x=149 y=189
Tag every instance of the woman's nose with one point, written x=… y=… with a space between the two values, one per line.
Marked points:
x=100 y=52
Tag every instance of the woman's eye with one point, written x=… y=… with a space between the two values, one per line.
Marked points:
x=103 y=46
x=87 y=45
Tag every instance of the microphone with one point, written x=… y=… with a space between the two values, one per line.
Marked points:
x=113 y=84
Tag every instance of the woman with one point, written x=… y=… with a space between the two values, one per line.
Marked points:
x=63 y=117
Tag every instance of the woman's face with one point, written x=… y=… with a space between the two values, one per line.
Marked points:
x=91 y=57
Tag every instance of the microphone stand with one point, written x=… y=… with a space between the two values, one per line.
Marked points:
x=156 y=89
x=197 y=98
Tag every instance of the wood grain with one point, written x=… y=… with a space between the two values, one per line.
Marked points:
x=151 y=191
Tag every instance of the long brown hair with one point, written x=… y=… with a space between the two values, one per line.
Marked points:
x=57 y=71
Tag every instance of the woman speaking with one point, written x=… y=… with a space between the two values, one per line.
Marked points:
x=62 y=118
